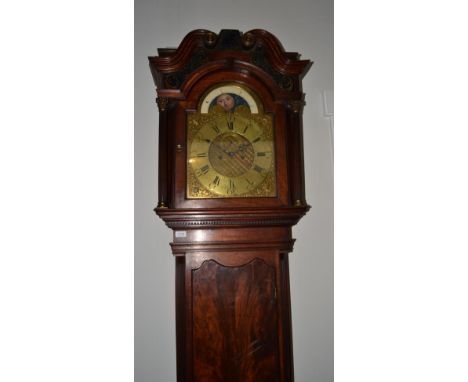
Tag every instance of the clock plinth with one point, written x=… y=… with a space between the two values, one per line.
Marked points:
x=231 y=186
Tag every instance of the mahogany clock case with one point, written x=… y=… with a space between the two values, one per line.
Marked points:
x=233 y=317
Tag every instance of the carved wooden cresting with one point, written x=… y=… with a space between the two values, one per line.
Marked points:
x=231 y=249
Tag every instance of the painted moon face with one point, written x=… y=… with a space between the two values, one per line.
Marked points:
x=226 y=90
x=226 y=101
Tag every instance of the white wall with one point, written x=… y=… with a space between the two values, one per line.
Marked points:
x=304 y=26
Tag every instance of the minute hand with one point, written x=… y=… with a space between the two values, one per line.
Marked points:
x=228 y=153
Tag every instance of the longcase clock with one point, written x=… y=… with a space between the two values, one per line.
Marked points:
x=231 y=186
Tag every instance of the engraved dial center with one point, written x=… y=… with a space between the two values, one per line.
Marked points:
x=231 y=154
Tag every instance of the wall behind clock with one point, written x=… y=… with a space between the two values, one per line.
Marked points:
x=304 y=26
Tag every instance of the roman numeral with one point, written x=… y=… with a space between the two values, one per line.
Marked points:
x=256 y=140
x=258 y=169
x=215 y=182
x=201 y=155
x=262 y=154
x=245 y=130
x=232 y=187
x=230 y=125
x=203 y=170
x=215 y=128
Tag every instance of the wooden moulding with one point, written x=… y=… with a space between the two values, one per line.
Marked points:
x=201 y=46
x=241 y=217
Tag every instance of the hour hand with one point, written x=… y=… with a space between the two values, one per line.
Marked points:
x=242 y=147
x=221 y=148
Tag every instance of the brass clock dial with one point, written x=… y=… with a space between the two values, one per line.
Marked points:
x=230 y=149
